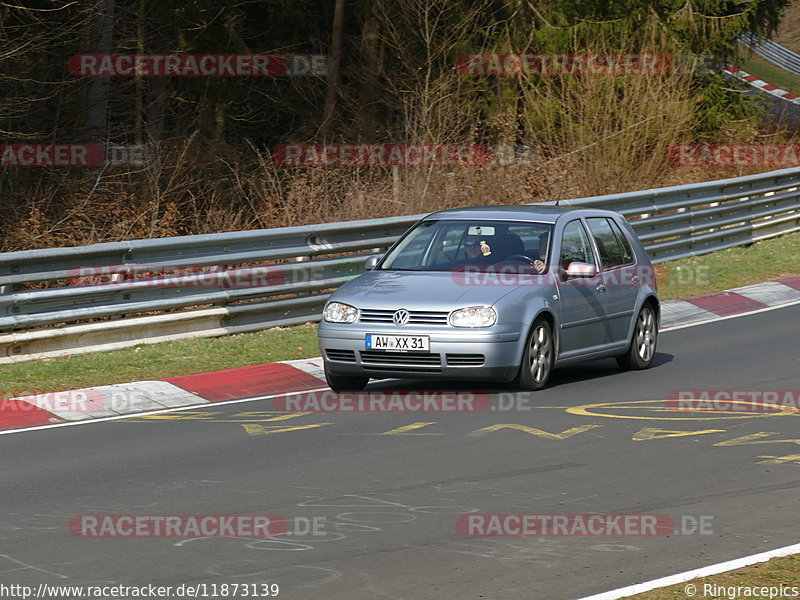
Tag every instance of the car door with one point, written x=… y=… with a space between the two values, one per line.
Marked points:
x=581 y=308
x=618 y=275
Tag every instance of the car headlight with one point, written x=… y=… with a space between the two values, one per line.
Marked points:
x=473 y=316
x=336 y=312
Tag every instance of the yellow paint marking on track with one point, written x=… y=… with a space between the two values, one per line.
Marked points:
x=178 y=416
x=262 y=417
x=597 y=410
x=747 y=440
x=779 y=460
x=653 y=433
x=253 y=429
x=534 y=431
x=406 y=428
x=703 y=411
x=257 y=416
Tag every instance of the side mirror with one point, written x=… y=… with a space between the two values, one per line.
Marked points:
x=372 y=262
x=581 y=269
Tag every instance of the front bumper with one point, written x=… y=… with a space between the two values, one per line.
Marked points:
x=491 y=353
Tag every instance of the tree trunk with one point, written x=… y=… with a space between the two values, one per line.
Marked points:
x=368 y=117
x=332 y=92
x=100 y=87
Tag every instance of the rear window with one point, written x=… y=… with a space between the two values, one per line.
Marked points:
x=612 y=253
x=627 y=251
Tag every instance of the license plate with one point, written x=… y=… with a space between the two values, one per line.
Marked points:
x=398 y=343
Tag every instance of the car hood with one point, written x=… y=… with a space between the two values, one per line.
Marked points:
x=415 y=290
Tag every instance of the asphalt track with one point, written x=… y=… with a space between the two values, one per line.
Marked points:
x=387 y=495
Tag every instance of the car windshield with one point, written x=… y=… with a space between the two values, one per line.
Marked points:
x=448 y=245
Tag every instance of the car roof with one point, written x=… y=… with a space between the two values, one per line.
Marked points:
x=545 y=213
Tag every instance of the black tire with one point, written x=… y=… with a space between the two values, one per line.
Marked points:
x=642 y=349
x=345 y=383
x=538 y=357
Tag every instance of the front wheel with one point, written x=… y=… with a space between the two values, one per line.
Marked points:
x=642 y=349
x=537 y=360
x=345 y=383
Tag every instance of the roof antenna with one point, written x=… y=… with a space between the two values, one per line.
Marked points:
x=561 y=189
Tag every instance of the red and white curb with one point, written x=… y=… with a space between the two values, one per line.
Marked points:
x=762 y=85
x=111 y=400
x=119 y=400
x=738 y=301
x=108 y=401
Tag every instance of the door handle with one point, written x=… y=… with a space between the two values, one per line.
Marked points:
x=601 y=288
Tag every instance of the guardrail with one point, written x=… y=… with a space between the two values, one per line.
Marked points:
x=61 y=301
x=773 y=52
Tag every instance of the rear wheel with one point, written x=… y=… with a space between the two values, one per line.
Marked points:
x=537 y=360
x=642 y=349
x=345 y=383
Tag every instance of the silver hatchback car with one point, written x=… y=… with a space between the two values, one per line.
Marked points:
x=499 y=293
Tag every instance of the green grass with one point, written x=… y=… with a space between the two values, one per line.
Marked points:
x=755 y=65
x=764 y=261
x=775 y=573
x=767 y=260
x=157 y=361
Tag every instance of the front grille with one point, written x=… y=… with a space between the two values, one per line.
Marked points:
x=401 y=358
x=465 y=360
x=401 y=361
x=416 y=317
x=341 y=355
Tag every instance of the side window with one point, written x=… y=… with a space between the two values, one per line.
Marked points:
x=448 y=245
x=575 y=245
x=607 y=243
x=627 y=252
x=536 y=239
x=409 y=254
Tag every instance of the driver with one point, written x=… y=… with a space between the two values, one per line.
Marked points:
x=476 y=248
x=477 y=251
